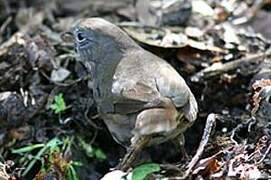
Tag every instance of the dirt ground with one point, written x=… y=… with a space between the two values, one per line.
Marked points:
x=49 y=126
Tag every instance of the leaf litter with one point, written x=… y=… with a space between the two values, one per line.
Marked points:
x=222 y=48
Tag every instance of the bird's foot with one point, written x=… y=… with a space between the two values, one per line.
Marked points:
x=132 y=153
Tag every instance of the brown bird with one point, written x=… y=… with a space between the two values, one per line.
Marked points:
x=141 y=98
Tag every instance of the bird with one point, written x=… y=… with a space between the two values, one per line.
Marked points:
x=141 y=98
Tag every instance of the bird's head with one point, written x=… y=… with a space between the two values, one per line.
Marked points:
x=99 y=41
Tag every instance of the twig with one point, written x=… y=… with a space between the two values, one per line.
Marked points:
x=92 y=123
x=218 y=69
x=5 y=24
x=252 y=122
x=233 y=134
x=249 y=123
x=265 y=154
x=204 y=140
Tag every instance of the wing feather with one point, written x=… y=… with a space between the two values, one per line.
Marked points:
x=173 y=86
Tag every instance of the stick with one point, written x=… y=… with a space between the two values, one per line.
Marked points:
x=204 y=140
x=218 y=69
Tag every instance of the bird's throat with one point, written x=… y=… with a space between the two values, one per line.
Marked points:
x=103 y=74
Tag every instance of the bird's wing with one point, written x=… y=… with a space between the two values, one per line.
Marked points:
x=170 y=84
x=150 y=81
x=133 y=96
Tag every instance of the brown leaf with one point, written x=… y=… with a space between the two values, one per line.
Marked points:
x=207 y=166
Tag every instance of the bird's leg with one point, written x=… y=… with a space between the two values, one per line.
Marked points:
x=149 y=122
x=182 y=148
x=179 y=142
x=138 y=143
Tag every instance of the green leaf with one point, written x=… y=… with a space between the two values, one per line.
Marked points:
x=59 y=104
x=87 y=147
x=93 y=152
x=99 y=154
x=141 y=172
x=72 y=175
x=52 y=144
x=27 y=148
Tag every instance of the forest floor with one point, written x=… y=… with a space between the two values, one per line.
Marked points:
x=49 y=127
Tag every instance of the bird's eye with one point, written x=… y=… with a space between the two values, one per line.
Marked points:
x=80 y=37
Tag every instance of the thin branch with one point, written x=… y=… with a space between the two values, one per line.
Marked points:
x=204 y=140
